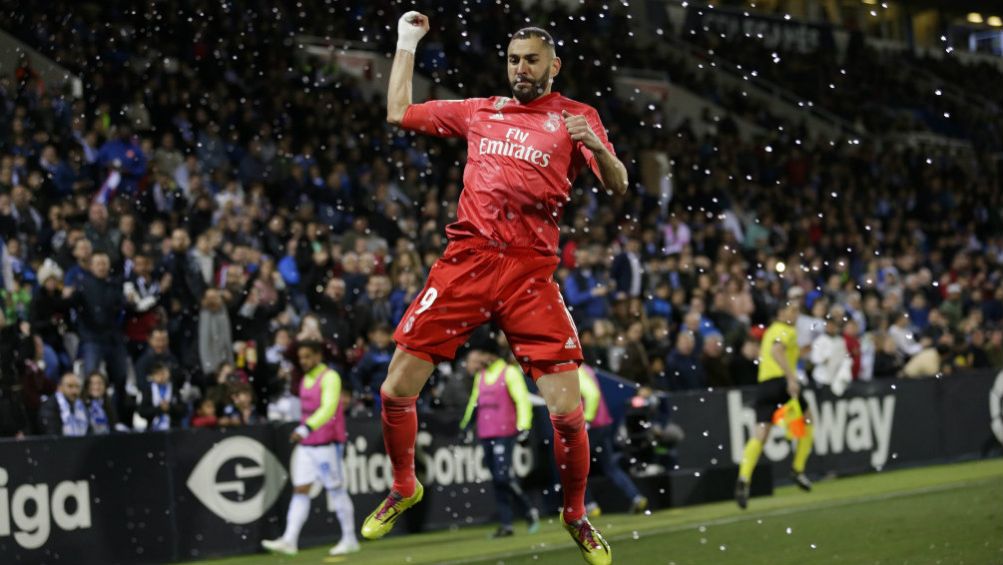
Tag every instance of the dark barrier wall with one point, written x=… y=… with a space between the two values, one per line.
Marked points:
x=186 y=494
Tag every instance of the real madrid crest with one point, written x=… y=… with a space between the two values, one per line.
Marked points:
x=553 y=122
x=498 y=106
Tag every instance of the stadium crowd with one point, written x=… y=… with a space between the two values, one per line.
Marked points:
x=206 y=204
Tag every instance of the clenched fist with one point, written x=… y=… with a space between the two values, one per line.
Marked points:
x=579 y=130
x=410 y=29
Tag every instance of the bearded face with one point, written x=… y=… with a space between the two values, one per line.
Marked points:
x=531 y=68
x=525 y=88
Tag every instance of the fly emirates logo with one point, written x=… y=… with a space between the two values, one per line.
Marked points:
x=514 y=145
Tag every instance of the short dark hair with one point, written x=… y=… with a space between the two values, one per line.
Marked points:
x=314 y=346
x=240 y=388
x=539 y=33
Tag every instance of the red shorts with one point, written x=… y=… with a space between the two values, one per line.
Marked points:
x=477 y=281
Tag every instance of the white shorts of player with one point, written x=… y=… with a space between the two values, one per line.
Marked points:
x=318 y=463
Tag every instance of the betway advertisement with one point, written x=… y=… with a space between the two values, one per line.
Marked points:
x=873 y=426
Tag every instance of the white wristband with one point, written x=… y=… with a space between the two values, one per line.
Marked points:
x=302 y=430
x=407 y=44
x=408 y=34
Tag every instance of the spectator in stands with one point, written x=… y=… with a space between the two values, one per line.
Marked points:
x=745 y=365
x=683 y=370
x=677 y=235
x=64 y=413
x=240 y=411
x=832 y=361
x=810 y=323
x=15 y=406
x=205 y=414
x=161 y=406
x=715 y=363
x=184 y=288
x=104 y=238
x=586 y=289
x=369 y=373
x=215 y=340
x=99 y=303
x=658 y=303
x=902 y=334
x=628 y=270
x=157 y=352
x=100 y=409
x=50 y=314
x=82 y=251
x=374 y=308
x=122 y=150
x=887 y=359
x=635 y=364
x=952 y=308
x=994 y=349
x=143 y=295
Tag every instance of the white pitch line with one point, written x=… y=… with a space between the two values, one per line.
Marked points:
x=736 y=519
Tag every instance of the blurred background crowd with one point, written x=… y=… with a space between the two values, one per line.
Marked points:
x=210 y=201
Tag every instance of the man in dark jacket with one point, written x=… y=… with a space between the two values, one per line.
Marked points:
x=183 y=289
x=628 y=271
x=64 y=413
x=13 y=416
x=683 y=370
x=158 y=352
x=100 y=303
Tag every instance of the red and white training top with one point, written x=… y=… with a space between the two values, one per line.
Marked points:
x=521 y=162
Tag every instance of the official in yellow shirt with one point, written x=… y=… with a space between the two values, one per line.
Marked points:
x=778 y=384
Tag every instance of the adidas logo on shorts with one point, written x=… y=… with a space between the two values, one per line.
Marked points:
x=570 y=344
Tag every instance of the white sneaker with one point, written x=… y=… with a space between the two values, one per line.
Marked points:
x=345 y=547
x=279 y=546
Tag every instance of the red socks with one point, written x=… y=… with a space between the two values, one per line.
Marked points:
x=400 y=429
x=571 y=449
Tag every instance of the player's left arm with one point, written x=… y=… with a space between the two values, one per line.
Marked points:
x=598 y=151
x=330 y=395
x=517 y=389
x=471 y=404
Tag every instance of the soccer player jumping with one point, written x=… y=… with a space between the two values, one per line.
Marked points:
x=522 y=156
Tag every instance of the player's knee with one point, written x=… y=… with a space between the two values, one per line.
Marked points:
x=562 y=404
x=569 y=422
x=406 y=375
x=303 y=489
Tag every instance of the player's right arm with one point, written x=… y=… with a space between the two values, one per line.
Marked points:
x=411 y=27
x=442 y=118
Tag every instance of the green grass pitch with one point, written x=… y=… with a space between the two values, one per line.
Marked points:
x=943 y=515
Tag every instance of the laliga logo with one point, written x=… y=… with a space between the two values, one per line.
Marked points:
x=33 y=527
x=238 y=479
x=996 y=407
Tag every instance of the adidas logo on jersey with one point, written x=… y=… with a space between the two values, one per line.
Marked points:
x=570 y=344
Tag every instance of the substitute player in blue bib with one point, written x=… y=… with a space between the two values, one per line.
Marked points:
x=319 y=457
